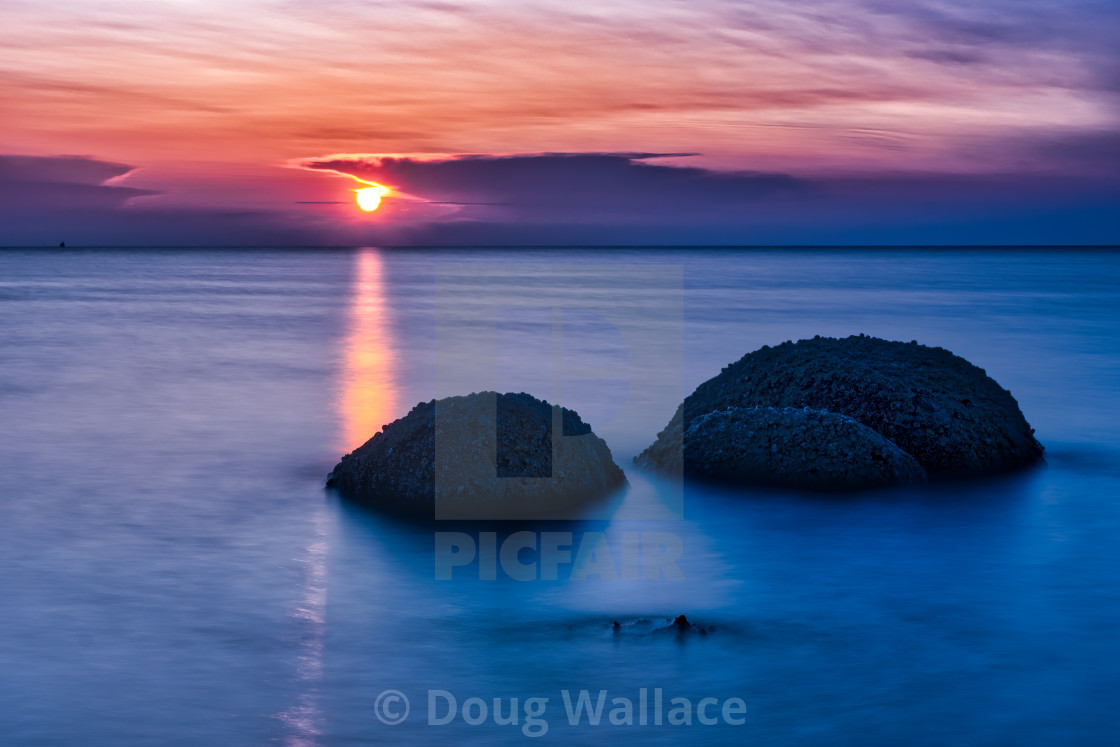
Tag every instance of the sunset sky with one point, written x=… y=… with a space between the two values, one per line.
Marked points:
x=543 y=122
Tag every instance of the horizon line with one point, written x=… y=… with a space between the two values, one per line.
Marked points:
x=562 y=246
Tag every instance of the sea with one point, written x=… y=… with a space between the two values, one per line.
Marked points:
x=173 y=572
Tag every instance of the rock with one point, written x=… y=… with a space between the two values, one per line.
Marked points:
x=683 y=625
x=480 y=456
x=782 y=446
x=939 y=408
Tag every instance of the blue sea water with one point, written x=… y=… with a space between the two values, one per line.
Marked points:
x=172 y=571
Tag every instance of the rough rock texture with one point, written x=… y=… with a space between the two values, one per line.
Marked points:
x=783 y=446
x=939 y=408
x=481 y=456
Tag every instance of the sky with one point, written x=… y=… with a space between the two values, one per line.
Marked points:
x=245 y=122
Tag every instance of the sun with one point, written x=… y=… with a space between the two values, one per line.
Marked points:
x=369 y=198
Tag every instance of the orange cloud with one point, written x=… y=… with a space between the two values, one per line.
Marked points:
x=198 y=91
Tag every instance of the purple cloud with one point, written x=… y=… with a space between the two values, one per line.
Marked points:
x=48 y=199
x=584 y=187
x=61 y=183
x=584 y=199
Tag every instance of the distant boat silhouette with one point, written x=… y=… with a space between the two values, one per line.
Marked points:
x=61 y=244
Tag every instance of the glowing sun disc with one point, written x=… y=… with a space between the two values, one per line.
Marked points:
x=370 y=197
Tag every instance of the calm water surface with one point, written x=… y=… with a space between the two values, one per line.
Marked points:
x=172 y=572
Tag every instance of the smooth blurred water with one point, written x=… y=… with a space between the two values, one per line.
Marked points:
x=172 y=572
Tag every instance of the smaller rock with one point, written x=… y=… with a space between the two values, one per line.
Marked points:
x=480 y=456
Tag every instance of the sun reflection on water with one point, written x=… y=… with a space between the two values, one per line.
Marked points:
x=368 y=398
x=366 y=401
